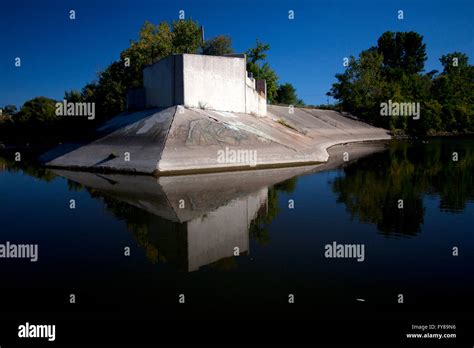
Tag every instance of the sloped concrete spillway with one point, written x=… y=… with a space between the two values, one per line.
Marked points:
x=185 y=140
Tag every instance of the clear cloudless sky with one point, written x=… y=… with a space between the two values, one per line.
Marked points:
x=59 y=54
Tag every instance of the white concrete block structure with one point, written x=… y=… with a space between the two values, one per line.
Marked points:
x=224 y=111
x=217 y=83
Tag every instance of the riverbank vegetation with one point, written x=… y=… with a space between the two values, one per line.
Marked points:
x=393 y=72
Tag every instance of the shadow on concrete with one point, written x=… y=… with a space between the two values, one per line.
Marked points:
x=121 y=121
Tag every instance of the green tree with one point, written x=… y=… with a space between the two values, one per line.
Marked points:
x=258 y=53
x=186 y=36
x=403 y=52
x=431 y=122
x=73 y=96
x=110 y=92
x=88 y=92
x=36 y=122
x=154 y=42
x=218 y=46
x=361 y=88
x=454 y=90
x=393 y=70
x=38 y=111
x=286 y=94
x=260 y=69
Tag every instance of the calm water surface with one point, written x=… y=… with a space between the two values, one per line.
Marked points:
x=183 y=232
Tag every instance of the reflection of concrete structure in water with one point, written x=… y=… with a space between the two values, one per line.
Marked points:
x=195 y=220
x=214 y=236
x=192 y=220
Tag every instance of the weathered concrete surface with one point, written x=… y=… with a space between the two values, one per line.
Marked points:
x=163 y=82
x=180 y=140
x=327 y=128
x=140 y=136
x=202 y=81
x=214 y=82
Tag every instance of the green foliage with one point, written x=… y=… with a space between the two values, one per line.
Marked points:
x=258 y=53
x=110 y=91
x=361 y=87
x=431 y=122
x=260 y=69
x=154 y=42
x=454 y=89
x=286 y=94
x=37 y=122
x=218 y=46
x=186 y=36
x=403 y=52
x=73 y=96
x=393 y=70
x=38 y=111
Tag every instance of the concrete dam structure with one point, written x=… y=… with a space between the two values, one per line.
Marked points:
x=204 y=114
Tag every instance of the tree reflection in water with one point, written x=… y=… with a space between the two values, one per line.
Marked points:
x=371 y=187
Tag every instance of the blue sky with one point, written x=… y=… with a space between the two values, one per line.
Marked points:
x=59 y=54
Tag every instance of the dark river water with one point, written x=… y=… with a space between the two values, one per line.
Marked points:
x=134 y=244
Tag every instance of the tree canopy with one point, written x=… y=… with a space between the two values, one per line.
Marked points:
x=39 y=110
x=394 y=70
x=402 y=52
x=286 y=94
x=260 y=68
x=217 y=46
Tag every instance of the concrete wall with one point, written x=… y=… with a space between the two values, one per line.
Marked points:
x=261 y=87
x=251 y=100
x=255 y=97
x=163 y=82
x=206 y=82
x=262 y=106
x=213 y=82
x=136 y=99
